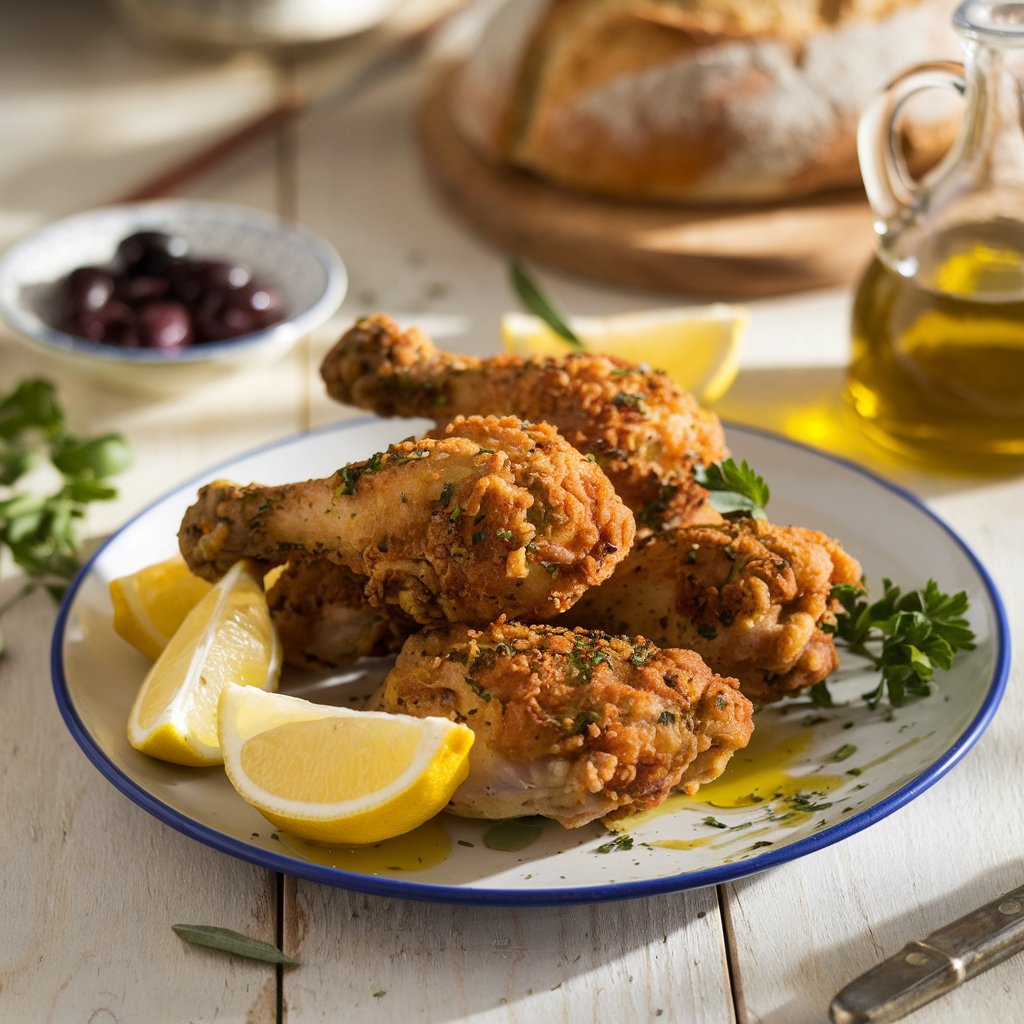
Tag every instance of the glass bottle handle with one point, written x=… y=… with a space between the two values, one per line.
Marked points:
x=888 y=182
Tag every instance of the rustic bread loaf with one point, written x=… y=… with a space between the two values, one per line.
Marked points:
x=696 y=100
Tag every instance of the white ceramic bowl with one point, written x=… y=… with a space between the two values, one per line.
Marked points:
x=306 y=270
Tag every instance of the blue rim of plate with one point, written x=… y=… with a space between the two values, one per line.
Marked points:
x=563 y=895
x=38 y=332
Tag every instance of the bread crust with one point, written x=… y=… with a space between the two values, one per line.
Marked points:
x=696 y=100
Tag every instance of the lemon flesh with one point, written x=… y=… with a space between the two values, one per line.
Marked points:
x=228 y=637
x=698 y=347
x=335 y=775
x=151 y=604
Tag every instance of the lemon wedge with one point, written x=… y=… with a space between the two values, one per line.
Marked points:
x=228 y=637
x=151 y=604
x=335 y=775
x=698 y=347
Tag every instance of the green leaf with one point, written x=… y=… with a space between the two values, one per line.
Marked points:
x=229 y=941
x=735 y=489
x=514 y=834
x=96 y=458
x=31 y=405
x=40 y=531
x=538 y=303
x=905 y=636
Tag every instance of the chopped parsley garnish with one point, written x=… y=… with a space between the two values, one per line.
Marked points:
x=503 y=534
x=477 y=688
x=581 y=723
x=666 y=718
x=845 y=751
x=714 y=822
x=446 y=493
x=624 y=398
x=622 y=842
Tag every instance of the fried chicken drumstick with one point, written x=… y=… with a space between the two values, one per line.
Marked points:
x=645 y=432
x=570 y=724
x=323 y=619
x=749 y=596
x=485 y=517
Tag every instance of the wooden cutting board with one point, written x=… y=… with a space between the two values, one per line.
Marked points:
x=721 y=252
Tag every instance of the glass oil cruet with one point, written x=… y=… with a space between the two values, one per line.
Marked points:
x=937 y=365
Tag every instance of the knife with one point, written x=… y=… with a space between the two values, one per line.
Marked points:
x=928 y=968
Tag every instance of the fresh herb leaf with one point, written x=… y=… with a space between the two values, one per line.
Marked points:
x=845 y=751
x=513 y=834
x=736 y=490
x=538 y=303
x=714 y=822
x=622 y=842
x=904 y=636
x=41 y=531
x=231 y=942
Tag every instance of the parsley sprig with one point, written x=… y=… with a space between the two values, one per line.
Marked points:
x=904 y=636
x=531 y=296
x=41 y=530
x=735 y=489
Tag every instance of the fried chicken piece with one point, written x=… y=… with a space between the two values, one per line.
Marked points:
x=570 y=724
x=323 y=619
x=749 y=596
x=486 y=516
x=645 y=432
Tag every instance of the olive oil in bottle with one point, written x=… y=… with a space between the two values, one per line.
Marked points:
x=937 y=365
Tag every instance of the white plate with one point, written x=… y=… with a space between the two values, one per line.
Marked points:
x=897 y=754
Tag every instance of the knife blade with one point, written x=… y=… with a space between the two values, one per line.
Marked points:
x=928 y=968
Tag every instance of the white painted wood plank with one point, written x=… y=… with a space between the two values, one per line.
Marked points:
x=91 y=883
x=87 y=114
x=393 y=960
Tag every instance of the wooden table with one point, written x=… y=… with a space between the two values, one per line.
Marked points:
x=91 y=883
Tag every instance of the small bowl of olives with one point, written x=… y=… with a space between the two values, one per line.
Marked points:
x=154 y=296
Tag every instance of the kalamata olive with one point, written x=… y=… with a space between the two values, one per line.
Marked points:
x=104 y=325
x=164 y=324
x=87 y=288
x=149 y=252
x=155 y=296
x=225 y=323
x=221 y=274
x=144 y=288
x=260 y=299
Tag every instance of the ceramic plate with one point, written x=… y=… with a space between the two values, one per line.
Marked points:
x=810 y=777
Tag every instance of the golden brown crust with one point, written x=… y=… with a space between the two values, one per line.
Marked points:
x=570 y=724
x=700 y=100
x=749 y=596
x=324 y=619
x=484 y=517
x=644 y=431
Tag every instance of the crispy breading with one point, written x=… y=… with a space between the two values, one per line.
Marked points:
x=645 y=432
x=570 y=724
x=323 y=619
x=485 y=517
x=749 y=596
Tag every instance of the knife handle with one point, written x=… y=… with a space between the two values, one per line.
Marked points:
x=930 y=967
